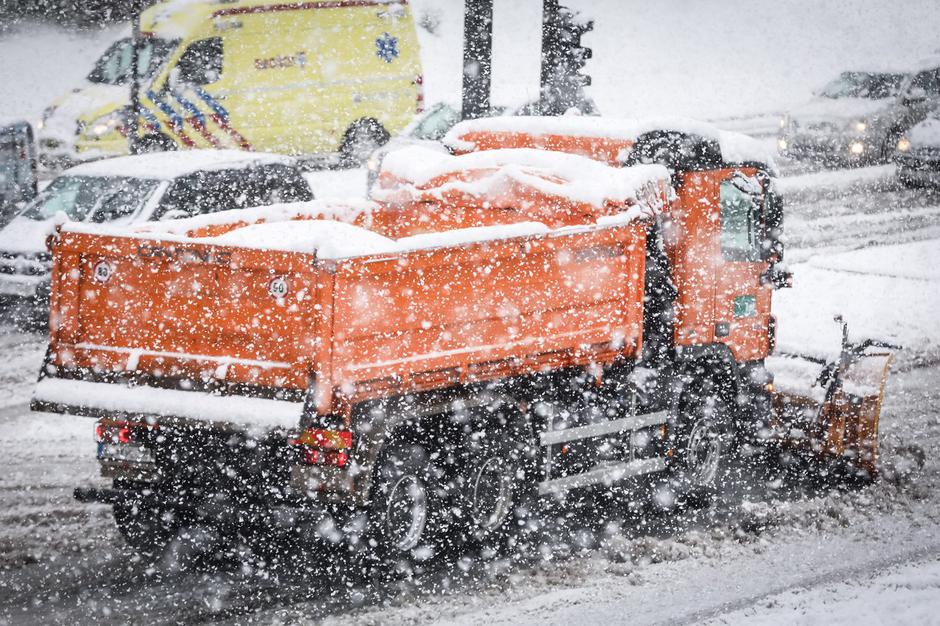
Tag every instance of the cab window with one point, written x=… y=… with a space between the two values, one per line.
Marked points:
x=201 y=64
x=224 y=190
x=740 y=223
x=114 y=66
x=436 y=123
x=274 y=184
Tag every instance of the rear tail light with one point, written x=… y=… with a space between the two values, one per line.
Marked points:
x=119 y=432
x=419 y=98
x=319 y=446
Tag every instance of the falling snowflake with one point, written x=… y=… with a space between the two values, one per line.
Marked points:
x=386 y=47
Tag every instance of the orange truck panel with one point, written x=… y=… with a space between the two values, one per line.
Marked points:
x=206 y=312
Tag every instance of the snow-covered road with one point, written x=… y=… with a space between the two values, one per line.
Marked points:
x=752 y=556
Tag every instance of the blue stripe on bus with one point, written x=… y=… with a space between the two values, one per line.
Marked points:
x=175 y=118
x=212 y=102
x=189 y=106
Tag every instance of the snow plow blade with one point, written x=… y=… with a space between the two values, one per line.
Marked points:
x=837 y=417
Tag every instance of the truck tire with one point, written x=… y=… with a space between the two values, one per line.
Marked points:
x=492 y=485
x=701 y=444
x=145 y=526
x=361 y=140
x=406 y=509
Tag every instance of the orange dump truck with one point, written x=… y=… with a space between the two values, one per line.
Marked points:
x=544 y=310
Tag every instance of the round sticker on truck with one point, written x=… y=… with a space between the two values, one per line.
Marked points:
x=103 y=271
x=278 y=287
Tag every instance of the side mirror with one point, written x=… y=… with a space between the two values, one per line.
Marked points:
x=777 y=278
x=174 y=214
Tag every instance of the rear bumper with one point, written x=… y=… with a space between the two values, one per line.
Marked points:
x=98 y=399
x=282 y=517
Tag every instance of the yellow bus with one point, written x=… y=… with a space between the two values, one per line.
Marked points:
x=331 y=77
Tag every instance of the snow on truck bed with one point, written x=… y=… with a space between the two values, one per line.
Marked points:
x=325 y=228
x=735 y=147
x=568 y=176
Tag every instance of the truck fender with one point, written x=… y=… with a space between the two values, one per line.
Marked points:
x=419 y=417
x=714 y=361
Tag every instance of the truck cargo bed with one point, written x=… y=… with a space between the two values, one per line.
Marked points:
x=202 y=318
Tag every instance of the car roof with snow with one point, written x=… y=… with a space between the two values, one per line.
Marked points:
x=170 y=165
x=735 y=147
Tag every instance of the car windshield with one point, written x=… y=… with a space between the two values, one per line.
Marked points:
x=436 y=123
x=870 y=85
x=114 y=66
x=91 y=198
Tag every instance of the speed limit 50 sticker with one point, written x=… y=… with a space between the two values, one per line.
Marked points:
x=278 y=287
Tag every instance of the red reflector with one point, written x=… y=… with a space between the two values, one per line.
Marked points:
x=119 y=431
x=311 y=456
x=320 y=446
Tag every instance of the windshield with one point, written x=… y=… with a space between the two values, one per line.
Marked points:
x=863 y=85
x=114 y=66
x=436 y=123
x=91 y=198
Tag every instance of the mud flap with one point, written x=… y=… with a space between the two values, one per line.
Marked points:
x=843 y=424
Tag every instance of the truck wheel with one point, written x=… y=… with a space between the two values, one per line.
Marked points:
x=404 y=516
x=491 y=486
x=362 y=139
x=146 y=527
x=701 y=444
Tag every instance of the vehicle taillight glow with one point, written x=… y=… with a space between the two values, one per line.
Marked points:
x=419 y=103
x=122 y=432
x=319 y=446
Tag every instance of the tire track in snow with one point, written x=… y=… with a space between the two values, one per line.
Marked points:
x=837 y=575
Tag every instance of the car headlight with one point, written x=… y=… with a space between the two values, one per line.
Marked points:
x=860 y=126
x=904 y=144
x=105 y=124
x=856 y=148
x=782 y=144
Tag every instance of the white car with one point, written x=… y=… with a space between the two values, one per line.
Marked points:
x=134 y=189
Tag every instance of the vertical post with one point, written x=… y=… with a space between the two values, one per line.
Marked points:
x=477 y=57
x=549 y=70
x=133 y=145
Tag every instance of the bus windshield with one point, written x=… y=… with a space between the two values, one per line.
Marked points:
x=114 y=66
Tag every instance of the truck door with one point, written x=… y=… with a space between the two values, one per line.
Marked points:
x=741 y=303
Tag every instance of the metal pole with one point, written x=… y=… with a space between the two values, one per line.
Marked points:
x=133 y=145
x=548 y=78
x=477 y=57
